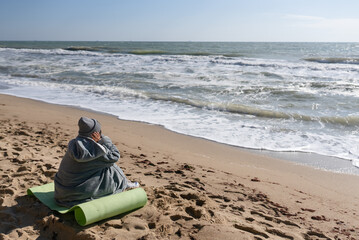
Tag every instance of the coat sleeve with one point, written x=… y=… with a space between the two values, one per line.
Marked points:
x=112 y=153
x=85 y=151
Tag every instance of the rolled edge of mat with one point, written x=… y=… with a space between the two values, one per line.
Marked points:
x=80 y=216
x=97 y=210
x=29 y=192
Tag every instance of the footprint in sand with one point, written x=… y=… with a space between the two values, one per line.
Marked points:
x=134 y=223
x=196 y=184
x=152 y=225
x=173 y=187
x=22 y=169
x=279 y=233
x=193 y=196
x=190 y=196
x=22 y=132
x=19 y=149
x=274 y=219
x=220 y=198
x=48 y=170
x=178 y=217
x=19 y=161
x=115 y=223
x=318 y=234
x=251 y=230
x=7 y=190
x=4 y=152
x=237 y=210
x=194 y=212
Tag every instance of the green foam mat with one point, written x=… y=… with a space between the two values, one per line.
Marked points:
x=95 y=210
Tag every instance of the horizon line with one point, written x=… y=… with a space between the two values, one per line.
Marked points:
x=159 y=41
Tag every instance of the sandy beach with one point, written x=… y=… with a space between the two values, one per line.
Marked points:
x=197 y=189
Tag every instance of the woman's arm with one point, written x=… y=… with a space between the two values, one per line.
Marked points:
x=112 y=153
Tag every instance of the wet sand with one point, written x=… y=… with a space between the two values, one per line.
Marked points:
x=197 y=189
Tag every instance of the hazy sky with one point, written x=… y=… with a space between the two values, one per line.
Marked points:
x=180 y=20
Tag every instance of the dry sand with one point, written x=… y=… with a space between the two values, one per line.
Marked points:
x=197 y=189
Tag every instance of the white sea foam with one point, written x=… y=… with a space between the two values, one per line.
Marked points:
x=273 y=104
x=48 y=52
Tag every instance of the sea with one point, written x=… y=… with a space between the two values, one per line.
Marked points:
x=276 y=97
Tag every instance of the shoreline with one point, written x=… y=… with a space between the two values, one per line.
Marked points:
x=197 y=188
x=321 y=162
x=314 y=160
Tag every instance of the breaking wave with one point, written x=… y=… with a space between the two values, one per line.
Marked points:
x=334 y=60
x=82 y=48
x=248 y=110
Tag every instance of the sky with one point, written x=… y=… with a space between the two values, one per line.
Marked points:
x=180 y=20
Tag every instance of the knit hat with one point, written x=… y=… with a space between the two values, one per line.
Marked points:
x=87 y=126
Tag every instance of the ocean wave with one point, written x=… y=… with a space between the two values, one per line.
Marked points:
x=110 y=51
x=147 y=52
x=333 y=60
x=248 y=110
x=249 y=63
x=82 y=48
x=272 y=75
x=85 y=50
x=233 y=55
x=161 y=52
x=54 y=51
x=5 y=69
x=275 y=64
x=266 y=63
x=25 y=75
x=113 y=92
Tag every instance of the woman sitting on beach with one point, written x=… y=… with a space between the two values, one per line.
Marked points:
x=88 y=170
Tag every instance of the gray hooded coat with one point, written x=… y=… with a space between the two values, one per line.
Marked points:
x=88 y=171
